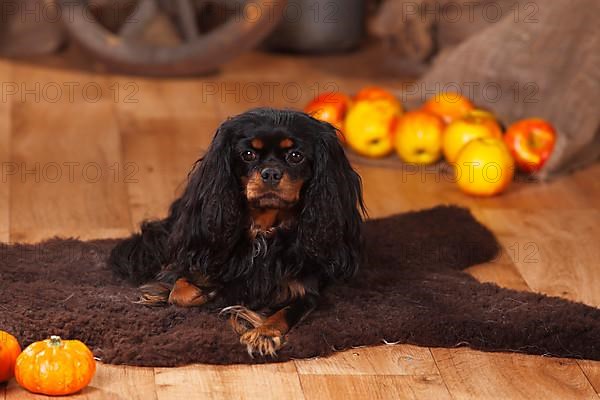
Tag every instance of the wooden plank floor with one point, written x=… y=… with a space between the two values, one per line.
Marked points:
x=122 y=156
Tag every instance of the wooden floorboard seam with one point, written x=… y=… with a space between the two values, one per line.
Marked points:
x=587 y=377
x=437 y=367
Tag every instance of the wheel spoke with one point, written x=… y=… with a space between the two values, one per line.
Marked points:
x=186 y=14
x=135 y=24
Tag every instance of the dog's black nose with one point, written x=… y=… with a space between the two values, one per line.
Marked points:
x=271 y=175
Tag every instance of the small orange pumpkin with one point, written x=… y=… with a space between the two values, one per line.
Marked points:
x=9 y=351
x=55 y=367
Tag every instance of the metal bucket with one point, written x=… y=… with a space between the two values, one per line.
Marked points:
x=318 y=26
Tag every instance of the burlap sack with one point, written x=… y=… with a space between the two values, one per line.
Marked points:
x=517 y=58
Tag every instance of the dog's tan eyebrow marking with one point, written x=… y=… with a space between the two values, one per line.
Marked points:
x=286 y=143
x=257 y=143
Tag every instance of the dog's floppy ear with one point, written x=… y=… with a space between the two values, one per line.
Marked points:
x=330 y=220
x=208 y=214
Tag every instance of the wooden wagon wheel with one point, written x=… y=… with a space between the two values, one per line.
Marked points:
x=126 y=48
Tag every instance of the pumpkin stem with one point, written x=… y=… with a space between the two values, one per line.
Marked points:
x=55 y=340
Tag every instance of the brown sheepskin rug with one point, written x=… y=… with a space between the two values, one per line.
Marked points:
x=412 y=290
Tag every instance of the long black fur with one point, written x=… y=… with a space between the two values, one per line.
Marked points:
x=206 y=230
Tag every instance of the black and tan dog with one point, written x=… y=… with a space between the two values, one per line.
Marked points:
x=270 y=216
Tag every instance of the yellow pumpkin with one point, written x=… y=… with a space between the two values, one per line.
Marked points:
x=9 y=351
x=55 y=367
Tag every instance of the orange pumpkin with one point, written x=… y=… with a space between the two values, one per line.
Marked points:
x=9 y=351
x=55 y=367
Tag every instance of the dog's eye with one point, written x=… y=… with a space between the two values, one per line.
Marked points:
x=248 y=156
x=295 y=157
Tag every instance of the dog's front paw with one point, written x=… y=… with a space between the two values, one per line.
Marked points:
x=262 y=340
x=186 y=294
x=242 y=319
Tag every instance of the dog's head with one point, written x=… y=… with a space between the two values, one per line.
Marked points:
x=270 y=159
x=272 y=164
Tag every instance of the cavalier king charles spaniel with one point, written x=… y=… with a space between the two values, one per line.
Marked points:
x=270 y=216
